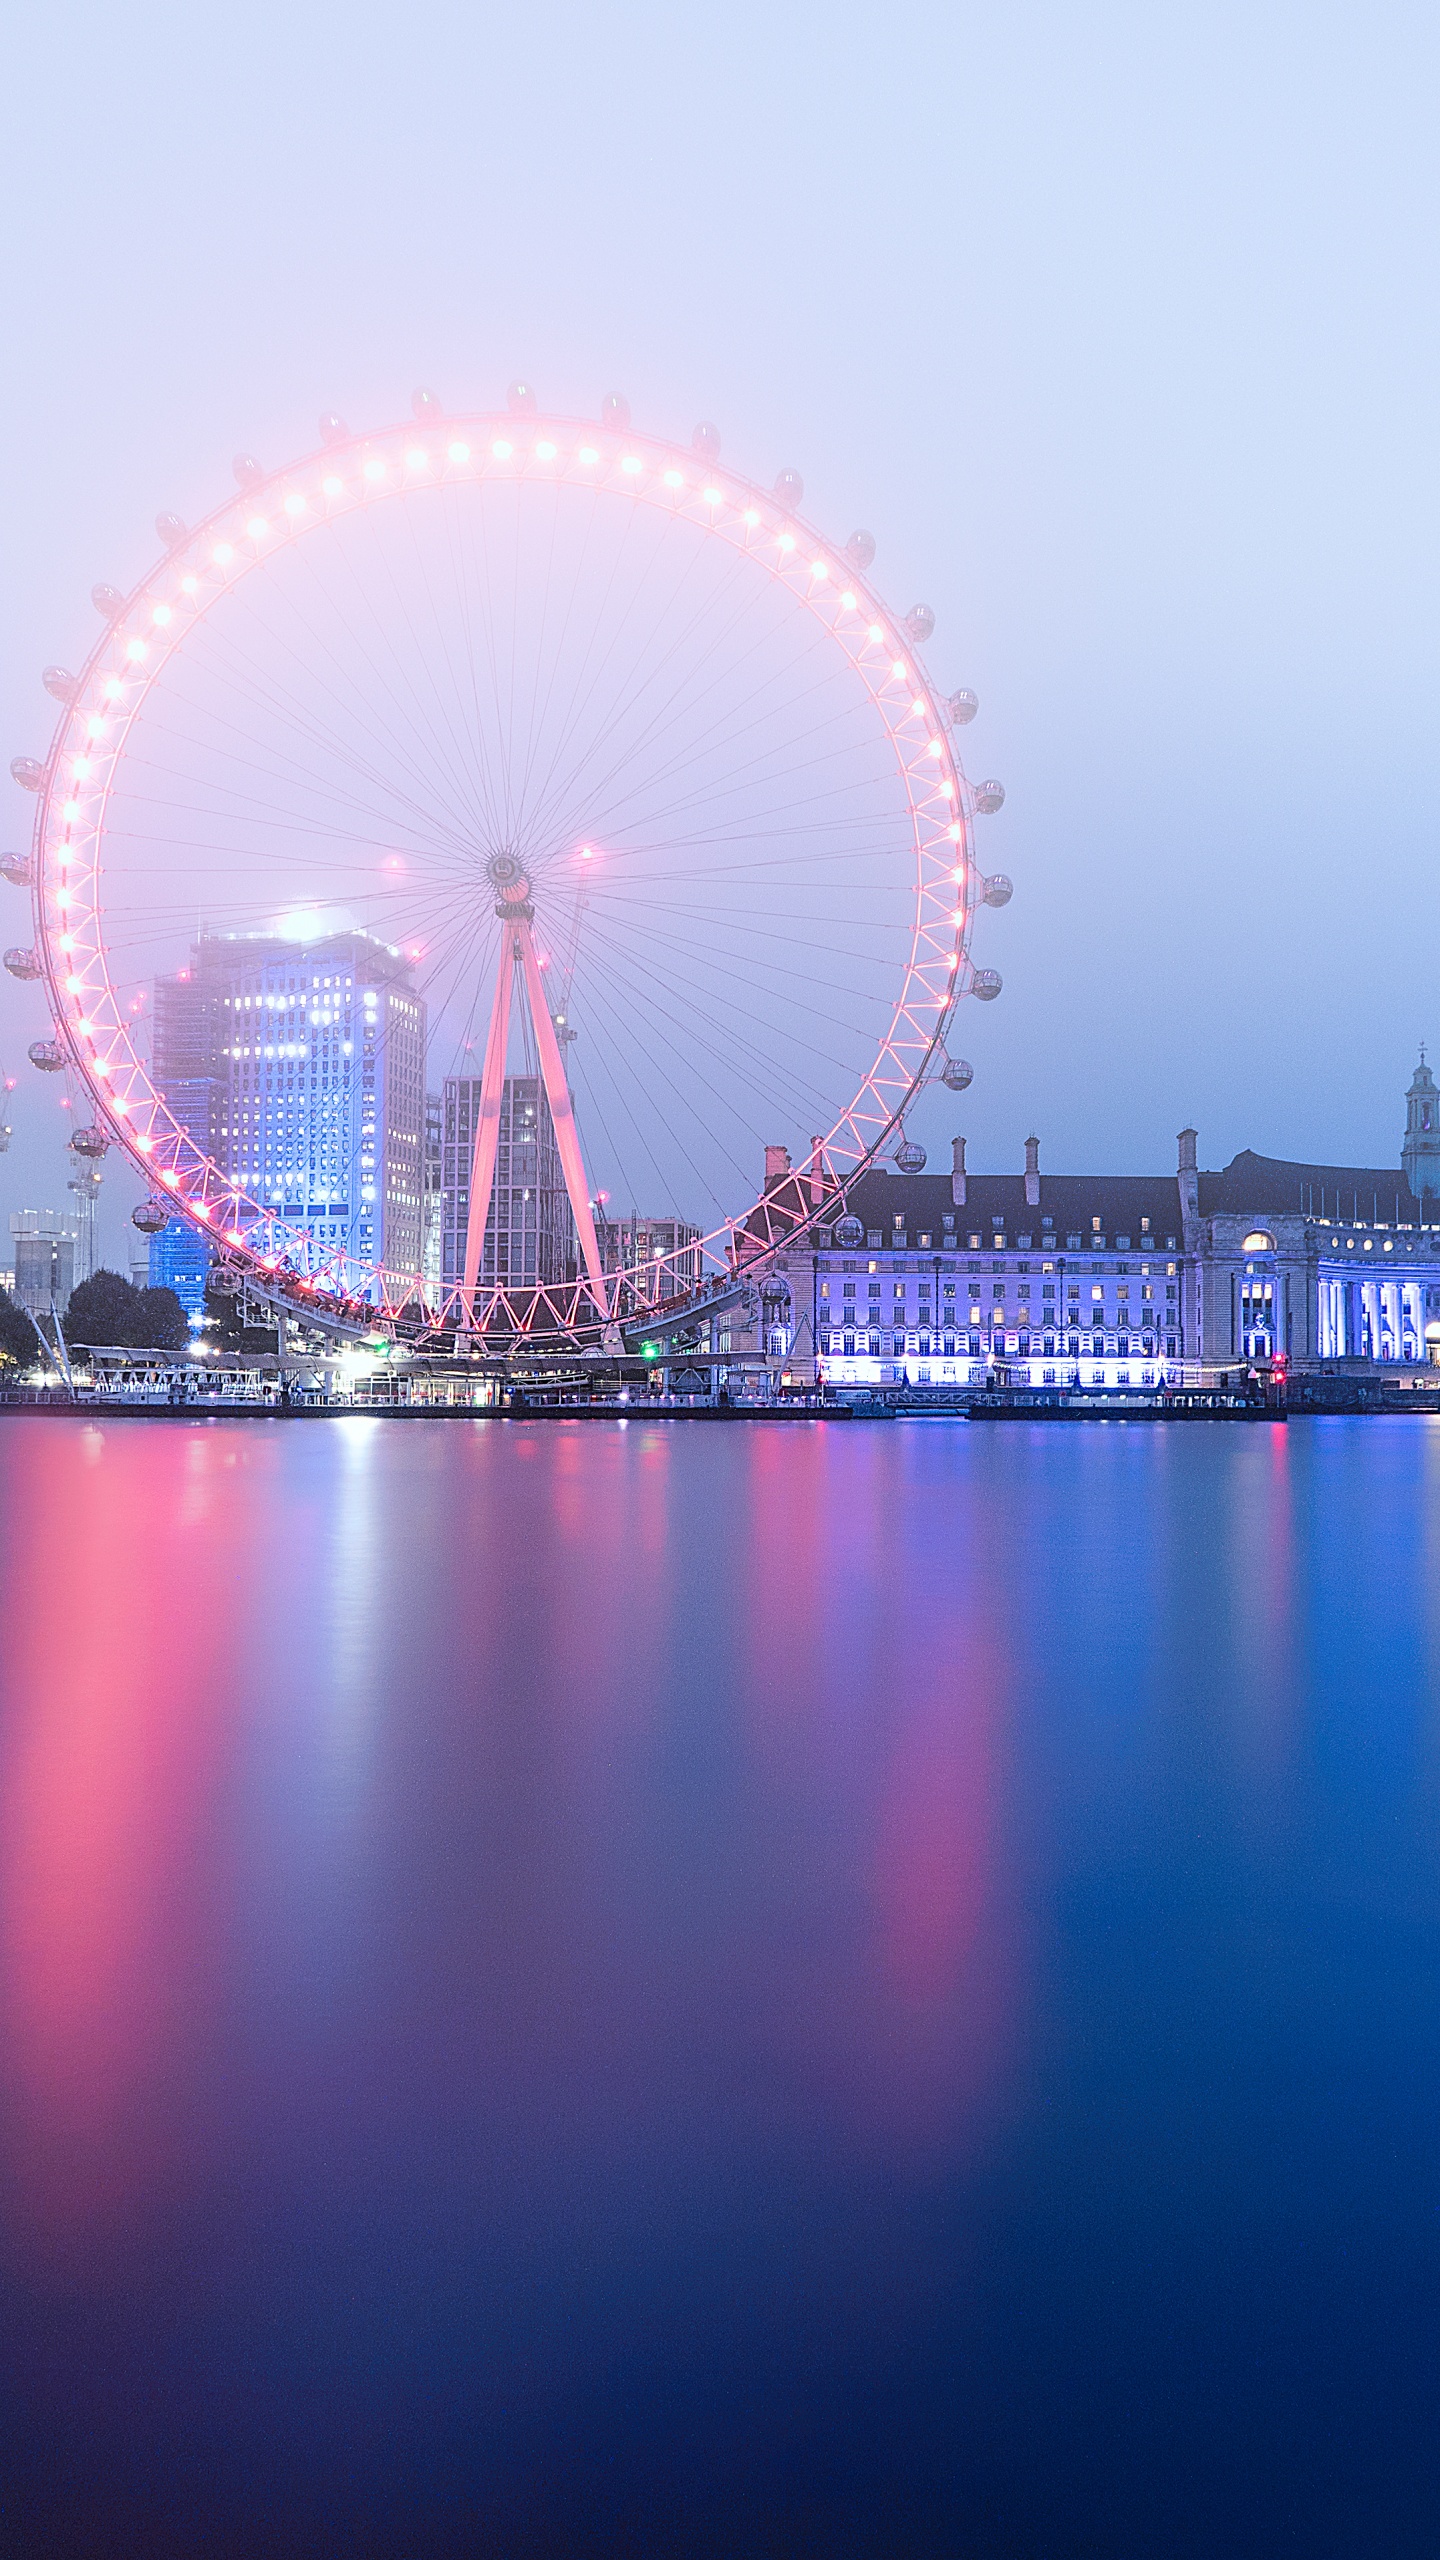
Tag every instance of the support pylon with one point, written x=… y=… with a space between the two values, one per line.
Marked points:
x=517 y=917
x=562 y=1114
x=487 y=1126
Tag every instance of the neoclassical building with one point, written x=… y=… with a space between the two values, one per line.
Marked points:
x=1114 y=1279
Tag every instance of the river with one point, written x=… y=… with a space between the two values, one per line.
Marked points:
x=627 y=1987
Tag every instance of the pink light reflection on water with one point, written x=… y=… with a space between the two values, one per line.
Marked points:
x=115 y=1676
x=388 y=1778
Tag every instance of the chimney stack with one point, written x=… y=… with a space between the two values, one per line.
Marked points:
x=1032 y=1173
x=817 y=1174
x=1189 y=1178
x=957 y=1172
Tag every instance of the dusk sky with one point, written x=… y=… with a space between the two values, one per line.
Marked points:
x=858 y=1980
x=1116 y=326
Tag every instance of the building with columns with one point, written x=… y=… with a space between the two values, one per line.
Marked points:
x=1321 y=1264
x=1114 y=1280
x=935 y=1279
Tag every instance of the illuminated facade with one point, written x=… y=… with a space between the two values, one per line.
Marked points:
x=300 y=1069
x=432 y=1254
x=1325 y=1265
x=936 y=1280
x=1118 y=1280
x=180 y=1259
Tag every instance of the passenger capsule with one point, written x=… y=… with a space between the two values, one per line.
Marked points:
x=333 y=429
x=615 y=410
x=521 y=401
x=706 y=441
x=107 y=600
x=225 y=1280
x=986 y=984
x=920 y=622
x=247 y=470
x=47 y=1055
x=989 y=796
x=150 y=1217
x=24 y=964
x=910 y=1156
x=849 y=1233
x=962 y=706
x=171 y=529
x=426 y=404
x=89 y=1142
x=17 y=868
x=789 y=488
x=28 y=772
x=998 y=890
x=59 y=682
x=956 y=1074
x=860 y=550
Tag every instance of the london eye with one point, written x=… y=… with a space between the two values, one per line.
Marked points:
x=589 y=751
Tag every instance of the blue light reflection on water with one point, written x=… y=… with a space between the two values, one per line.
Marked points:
x=707 y=1987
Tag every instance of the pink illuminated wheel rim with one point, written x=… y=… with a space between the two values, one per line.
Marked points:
x=715 y=754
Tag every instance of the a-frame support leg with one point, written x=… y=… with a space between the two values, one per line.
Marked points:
x=487 y=1126
x=562 y=1114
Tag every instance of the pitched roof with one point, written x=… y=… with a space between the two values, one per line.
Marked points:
x=1252 y=1184
x=1070 y=1202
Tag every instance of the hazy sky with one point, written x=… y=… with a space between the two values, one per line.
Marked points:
x=1115 y=324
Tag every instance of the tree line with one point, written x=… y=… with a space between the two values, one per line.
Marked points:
x=106 y=1312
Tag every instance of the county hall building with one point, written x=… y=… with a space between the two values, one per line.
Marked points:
x=1112 y=1280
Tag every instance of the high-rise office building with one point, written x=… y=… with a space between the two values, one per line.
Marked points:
x=45 y=1249
x=530 y=1232
x=84 y=1188
x=186 y=1041
x=432 y=1250
x=635 y=1243
x=300 y=1069
x=180 y=1259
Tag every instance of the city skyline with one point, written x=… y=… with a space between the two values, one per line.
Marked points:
x=1187 y=580
x=718 y=1809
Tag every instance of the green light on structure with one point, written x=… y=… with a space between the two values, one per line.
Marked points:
x=649 y=1350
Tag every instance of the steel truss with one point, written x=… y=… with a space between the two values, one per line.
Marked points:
x=97 y=1037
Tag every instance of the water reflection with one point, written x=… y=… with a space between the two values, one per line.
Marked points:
x=124 y=1627
x=560 y=1730
x=541 y=1958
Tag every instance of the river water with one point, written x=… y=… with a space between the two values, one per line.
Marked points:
x=719 y=1988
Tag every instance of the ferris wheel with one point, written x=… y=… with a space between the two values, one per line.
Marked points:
x=622 y=768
